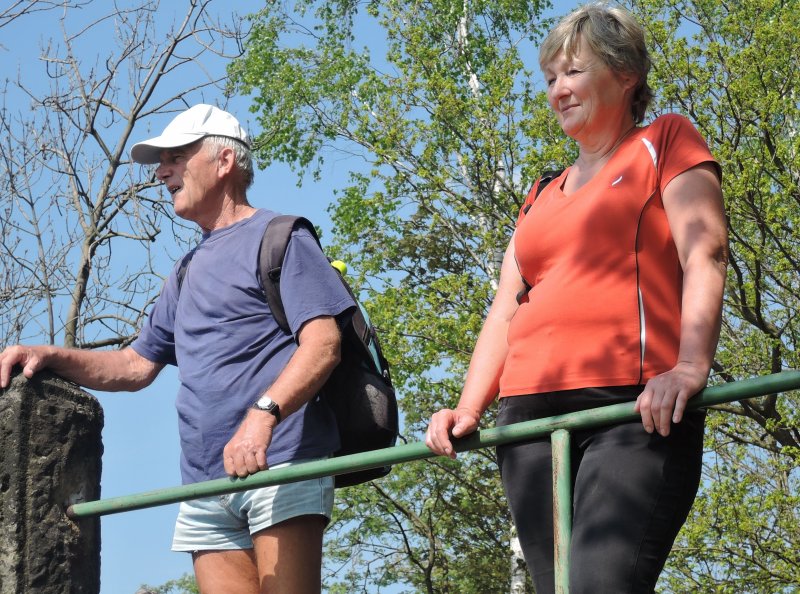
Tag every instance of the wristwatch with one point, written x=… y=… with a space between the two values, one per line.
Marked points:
x=268 y=404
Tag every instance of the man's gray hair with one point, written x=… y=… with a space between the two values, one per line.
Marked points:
x=242 y=153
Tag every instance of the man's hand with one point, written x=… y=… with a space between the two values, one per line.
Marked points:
x=663 y=400
x=246 y=452
x=30 y=358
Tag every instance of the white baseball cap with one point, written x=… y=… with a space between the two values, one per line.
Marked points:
x=187 y=127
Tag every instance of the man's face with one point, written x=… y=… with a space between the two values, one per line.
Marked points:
x=191 y=177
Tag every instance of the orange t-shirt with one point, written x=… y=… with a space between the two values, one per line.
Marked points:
x=604 y=307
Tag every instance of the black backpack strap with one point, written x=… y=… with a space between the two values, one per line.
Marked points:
x=545 y=179
x=270 y=261
x=271 y=255
x=183 y=267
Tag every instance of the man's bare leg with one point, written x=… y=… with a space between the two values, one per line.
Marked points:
x=225 y=572
x=289 y=556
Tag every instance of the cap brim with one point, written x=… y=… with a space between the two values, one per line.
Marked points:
x=148 y=152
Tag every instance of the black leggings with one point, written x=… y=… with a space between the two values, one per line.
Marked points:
x=632 y=492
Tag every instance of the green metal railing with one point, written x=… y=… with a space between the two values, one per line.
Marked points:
x=559 y=426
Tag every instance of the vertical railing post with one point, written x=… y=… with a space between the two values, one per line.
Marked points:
x=562 y=507
x=50 y=439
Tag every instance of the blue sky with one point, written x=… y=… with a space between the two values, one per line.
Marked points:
x=140 y=434
x=140 y=437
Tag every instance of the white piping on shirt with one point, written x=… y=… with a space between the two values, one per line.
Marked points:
x=643 y=333
x=652 y=150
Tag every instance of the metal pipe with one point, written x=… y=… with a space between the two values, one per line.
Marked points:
x=749 y=388
x=562 y=506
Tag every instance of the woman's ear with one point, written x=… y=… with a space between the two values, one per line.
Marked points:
x=629 y=80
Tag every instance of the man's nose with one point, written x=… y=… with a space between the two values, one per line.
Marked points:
x=162 y=171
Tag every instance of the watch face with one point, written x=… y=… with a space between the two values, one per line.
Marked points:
x=265 y=403
x=268 y=404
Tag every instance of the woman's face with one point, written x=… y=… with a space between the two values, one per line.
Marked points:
x=587 y=97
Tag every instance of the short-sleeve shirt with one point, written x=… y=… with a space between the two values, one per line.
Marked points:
x=218 y=329
x=604 y=307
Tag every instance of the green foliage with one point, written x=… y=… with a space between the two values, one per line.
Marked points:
x=442 y=535
x=436 y=104
x=185 y=584
x=742 y=534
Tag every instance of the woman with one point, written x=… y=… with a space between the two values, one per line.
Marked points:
x=619 y=267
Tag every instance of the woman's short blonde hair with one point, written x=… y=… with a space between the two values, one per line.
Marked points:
x=614 y=36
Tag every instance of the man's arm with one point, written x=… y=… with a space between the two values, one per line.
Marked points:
x=97 y=370
x=318 y=352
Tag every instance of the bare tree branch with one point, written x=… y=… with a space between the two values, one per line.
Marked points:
x=82 y=230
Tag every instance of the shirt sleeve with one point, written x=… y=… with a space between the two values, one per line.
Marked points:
x=682 y=148
x=156 y=340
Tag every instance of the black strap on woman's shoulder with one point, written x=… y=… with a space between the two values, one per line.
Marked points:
x=545 y=179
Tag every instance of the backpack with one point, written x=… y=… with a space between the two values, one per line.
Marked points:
x=359 y=389
x=541 y=184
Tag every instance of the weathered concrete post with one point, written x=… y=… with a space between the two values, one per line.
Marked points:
x=50 y=457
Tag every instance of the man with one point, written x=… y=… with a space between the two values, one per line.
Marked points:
x=248 y=394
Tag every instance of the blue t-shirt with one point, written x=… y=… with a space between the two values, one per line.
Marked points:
x=221 y=334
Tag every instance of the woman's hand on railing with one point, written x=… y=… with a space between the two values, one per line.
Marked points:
x=449 y=423
x=663 y=400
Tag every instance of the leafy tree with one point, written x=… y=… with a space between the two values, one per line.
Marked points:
x=441 y=109
x=437 y=107
x=186 y=584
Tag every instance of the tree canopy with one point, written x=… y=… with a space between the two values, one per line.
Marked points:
x=438 y=109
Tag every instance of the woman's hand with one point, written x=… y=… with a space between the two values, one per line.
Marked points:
x=663 y=400
x=449 y=423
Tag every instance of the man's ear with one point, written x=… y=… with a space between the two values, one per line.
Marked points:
x=225 y=161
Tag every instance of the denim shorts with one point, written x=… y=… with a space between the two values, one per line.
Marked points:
x=227 y=522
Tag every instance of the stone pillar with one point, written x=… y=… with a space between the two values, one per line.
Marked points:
x=50 y=457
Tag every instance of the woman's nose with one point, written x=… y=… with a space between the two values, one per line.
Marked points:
x=557 y=91
x=557 y=87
